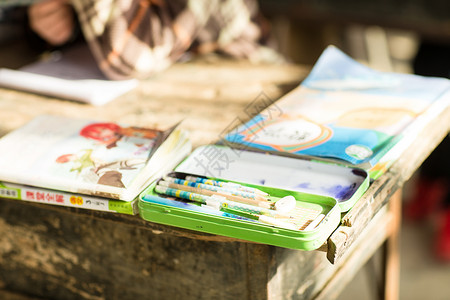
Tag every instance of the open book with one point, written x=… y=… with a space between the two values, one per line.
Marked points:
x=348 y=113
x=94 y=158
x=72 y=74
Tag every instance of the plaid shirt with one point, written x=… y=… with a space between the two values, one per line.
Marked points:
x=135 y=38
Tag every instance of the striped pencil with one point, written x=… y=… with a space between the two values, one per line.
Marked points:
x=217 y=200
x=215 y=188
x=204 y=199
x=226 y=184
x=254 y=202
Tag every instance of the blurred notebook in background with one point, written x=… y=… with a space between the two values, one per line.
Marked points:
x=72 y=74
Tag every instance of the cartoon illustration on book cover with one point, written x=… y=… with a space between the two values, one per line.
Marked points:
x=115 y=150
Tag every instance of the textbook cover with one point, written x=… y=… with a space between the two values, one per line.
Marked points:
x=347 y=113
x=103 y=159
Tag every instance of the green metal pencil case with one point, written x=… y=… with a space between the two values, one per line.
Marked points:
x=314 y=217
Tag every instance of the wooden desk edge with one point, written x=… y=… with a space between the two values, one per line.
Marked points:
x=383 y=188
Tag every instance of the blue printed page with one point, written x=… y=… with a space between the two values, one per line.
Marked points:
x=343 y=110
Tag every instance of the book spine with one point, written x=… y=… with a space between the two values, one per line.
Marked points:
x=47 y=196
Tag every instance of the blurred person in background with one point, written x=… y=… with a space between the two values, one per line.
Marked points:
x=136 y=38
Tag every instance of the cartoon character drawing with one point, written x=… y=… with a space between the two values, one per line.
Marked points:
x=106 y=167
x=94 y=170
x=110 y=133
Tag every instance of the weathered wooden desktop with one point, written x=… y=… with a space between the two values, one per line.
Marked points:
x=67 y=253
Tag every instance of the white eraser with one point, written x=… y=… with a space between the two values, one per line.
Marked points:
x=285 y=204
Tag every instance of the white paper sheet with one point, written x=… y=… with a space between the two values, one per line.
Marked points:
x=72 y=75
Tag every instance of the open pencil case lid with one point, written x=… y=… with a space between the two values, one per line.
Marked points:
x=268 y=173
x=343 y=183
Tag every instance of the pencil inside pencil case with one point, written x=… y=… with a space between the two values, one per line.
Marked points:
x=306 y=226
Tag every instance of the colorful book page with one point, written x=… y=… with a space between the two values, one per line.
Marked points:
x=343 y=110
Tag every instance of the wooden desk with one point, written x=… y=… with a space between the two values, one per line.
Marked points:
x=67 y=253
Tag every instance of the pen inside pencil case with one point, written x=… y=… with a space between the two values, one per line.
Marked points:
x=235 y=199
x=190 y=206
x=283 y=210
x=231 y=209
x=226 y=212
x=230 y=190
